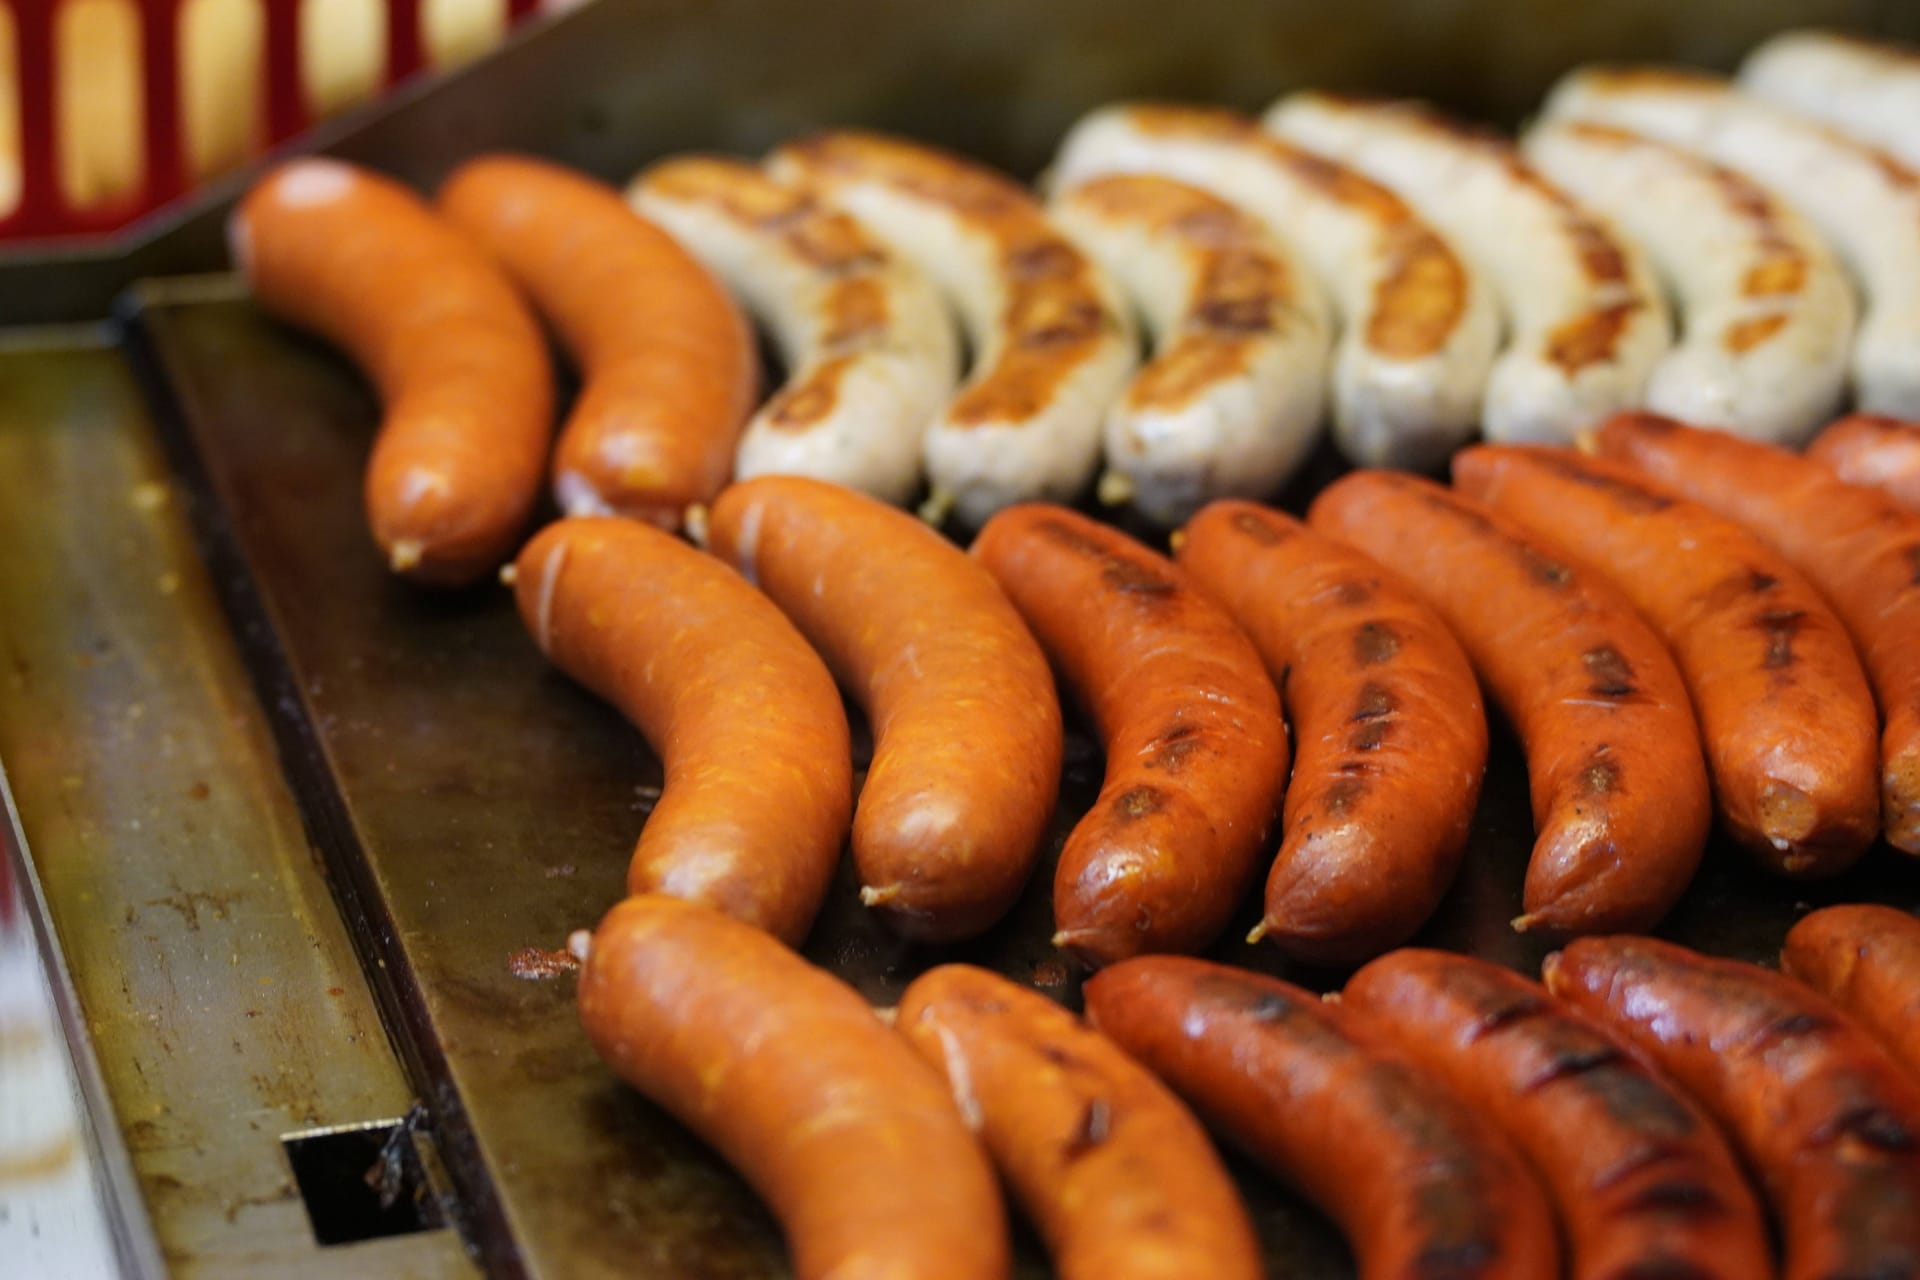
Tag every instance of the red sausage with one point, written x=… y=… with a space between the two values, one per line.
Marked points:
x=1114 y=1170
x=967 y=739
x=456 y=356
x=748 y=725
x=1784 y=708
x=1391 y=740
x=1826 y=1119
x=1866 y=959
x=1643 y=1181
x=1419 y=1185
x=1196 y=751
x=1613 y=755
x=1868 y=449
x=667 y=361
x=849 y=1137
x=1858 y=546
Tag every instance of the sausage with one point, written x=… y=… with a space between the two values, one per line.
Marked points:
x=1785 y=712
x=1419 y=1185
x=1643 y=1182
x=1613 y=755
x=785 y=1071
x=1053 y=343
x=1118 y=1176
x=1864 y=87
x=1863 y=201
x=1196 y=750
x=1420 y=327
x=1231 y=402
x=1823 y=1116
x=870 y=353
x=457 y=358
x=1863 y=958
x=966 y=724
x=1859 y=547
x=1767 y=312
x=1390 y=737
x=749 y=728
x=667 y=372
x=1879 y=452
x=1585 y=320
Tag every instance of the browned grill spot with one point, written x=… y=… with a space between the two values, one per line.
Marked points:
x=1374 y=642
x=1266 y=532
x=1747 y=334
x=1779 y=626
x=1611 y=673
x=1138 y=802
x=1590 y=337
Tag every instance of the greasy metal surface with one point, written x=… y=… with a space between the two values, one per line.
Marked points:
x=492 y=807
x=222 y=998
x=617 y=82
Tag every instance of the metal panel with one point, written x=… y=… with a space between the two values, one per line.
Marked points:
x=213 y=977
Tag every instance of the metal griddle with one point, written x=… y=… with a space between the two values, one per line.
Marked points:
x=382 y=806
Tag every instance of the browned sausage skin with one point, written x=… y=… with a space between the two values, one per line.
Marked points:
x=1389 y=735
x=849 y=1137
x=1643 y=1182
x=750 y=730
x=967 y=736
x=1826 y=1119
x=1420 y=1187
x=1614 y=762
x=1113 y=1169
x=1196 y=751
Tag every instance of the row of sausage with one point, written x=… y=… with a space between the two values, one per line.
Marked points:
x=1451 y=1117
x=1660 y=659
x=1370 y=261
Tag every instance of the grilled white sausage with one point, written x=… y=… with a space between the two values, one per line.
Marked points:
x=1767 y=311
x=1231 y=400
x=1053 y=342
x=870 y=349
x=1420 y=327
x=1866 y=203
x=1870 y=90
x=1585 y=320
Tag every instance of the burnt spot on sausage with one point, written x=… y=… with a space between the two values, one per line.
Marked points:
x=1623 y=492
x=1374 y=643
x=1791 y=1026
x=1268 y=533
x=1096 y=1124
x=1054 y=317
x=1353 y=593
x=1601 y=777
x=1453 y=1260
x=1913 y=563
x=1042 y=260
x=856 y=311
x=1172 y=746
x=1541 y=568
x=1611 y=673
x=1510 y=1012
x=1566 y=1062
x=1186 y=370
x=833 y=243
x=1369 y=735
x=1138 y=802
x=1120 y=573
x=1678 y=1197
x=1343 y=793
x=1375 y=702
x=1779 y=626
x=1871 y=1125
x=1589 y=338
x=803 y=404
x=1245 y=997
x=1760 y=583
x=1420 y=297
x=1744 y=335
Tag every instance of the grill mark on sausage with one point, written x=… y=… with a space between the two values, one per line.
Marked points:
x=1599 y=778
x=856 y=310
x=1353 y=593
x=1871 y=1125
x=800 y=406
x=1664 y=1267
x=1745 y=335
x=1790 y=1026
x=1537 y=565
x=1138 y=802
x=1268 y=533
x=1369 y=736
x=1343 y=793
x=1564 y=1063
x=1780 y=626
x=1096 y=1124
x=1130 y=577
x=1913 y=562
x=1590 y=337
x=1611 y=673
x=1374 y=642
x=1505 y=1014
x=1375 y=702
x=1192 y=366
x=1172 y=747
x=1623 y=492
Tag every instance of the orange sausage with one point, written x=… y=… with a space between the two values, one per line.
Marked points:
x=1196 y=750
x=456 y=356
x=1643 y=1181
x=1826 y=1119
x=1419 y=1185
x=1391 y=740
x=966 y=724
x=1114 y=1170
x=749 y=728
x=1866 y=959
x=785 y=1071
x=1879 y=452
x=1858 y=546
x=667 y=362
x=1785 y=711
x=1613 y=756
